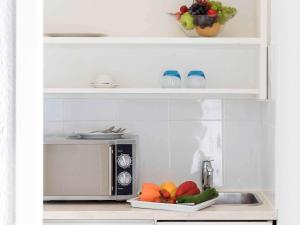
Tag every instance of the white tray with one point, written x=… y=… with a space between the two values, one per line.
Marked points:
x=136 y=203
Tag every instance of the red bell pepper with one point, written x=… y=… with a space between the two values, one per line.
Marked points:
x=187 y=188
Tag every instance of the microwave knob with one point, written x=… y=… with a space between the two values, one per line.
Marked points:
x=124 y=161
x=124 y=178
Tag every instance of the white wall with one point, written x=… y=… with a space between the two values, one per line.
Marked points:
x=177 y=133
x=7 y=10
x=286 y=50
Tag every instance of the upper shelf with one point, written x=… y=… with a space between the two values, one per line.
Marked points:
x=144 y=18
x=160 y=92
x=154 y=40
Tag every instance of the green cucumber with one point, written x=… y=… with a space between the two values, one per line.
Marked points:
x=204 y=196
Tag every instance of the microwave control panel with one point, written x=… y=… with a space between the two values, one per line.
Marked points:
x=124 y=169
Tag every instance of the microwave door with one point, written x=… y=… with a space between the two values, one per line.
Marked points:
x=77 y=170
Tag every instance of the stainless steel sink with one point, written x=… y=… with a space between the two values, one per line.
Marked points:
x=237 y=198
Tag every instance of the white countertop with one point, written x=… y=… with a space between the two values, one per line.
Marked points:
x=123 y=211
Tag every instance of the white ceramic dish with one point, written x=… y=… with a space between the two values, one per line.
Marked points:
x=136 y=203
x=74 y=35
x=96 y=85
x=98 y=135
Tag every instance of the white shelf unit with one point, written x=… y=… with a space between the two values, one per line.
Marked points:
x=235 y=62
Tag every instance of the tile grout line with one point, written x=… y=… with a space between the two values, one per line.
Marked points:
x=116 y=114
x=63 y=116
x=169 y=136
x=261 y=139
x=223 y=142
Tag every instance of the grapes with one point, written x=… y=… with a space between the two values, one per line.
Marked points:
x=215 y=5
x=199 y=9
x=205 y=20
x=208 y=12
x=225 y=13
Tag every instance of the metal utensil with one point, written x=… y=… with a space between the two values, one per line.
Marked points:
x=108 y=130
x=122 y=131
x=117 y=131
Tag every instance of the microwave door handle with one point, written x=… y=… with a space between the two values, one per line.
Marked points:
x=110 y=169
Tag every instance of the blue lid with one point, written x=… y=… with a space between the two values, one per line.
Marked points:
x=172 y=73
x=196 y=73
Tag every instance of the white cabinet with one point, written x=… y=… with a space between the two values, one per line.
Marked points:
x=99 y=222
x=215 y=223
x=145 y=222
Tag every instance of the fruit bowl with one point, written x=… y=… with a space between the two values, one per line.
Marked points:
x=204 y=18
x=209 y=31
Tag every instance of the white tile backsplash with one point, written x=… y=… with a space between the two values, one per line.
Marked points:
x=186 y=109
x=153 y=153
x=53 y=110
x=142 y=110
x=242 y=147
x=53 y=128
x=268 y=159
x=268 y=113
x=70 y=127
x=88 y=109
x=242 y=110
x=190 y=144
x=176 y=135
x=268 y=152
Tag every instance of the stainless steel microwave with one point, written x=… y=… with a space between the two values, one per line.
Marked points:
x=89 y=169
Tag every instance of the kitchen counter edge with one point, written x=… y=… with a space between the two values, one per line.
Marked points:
x=123 y=211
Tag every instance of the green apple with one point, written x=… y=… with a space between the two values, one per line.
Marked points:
x=187 y=21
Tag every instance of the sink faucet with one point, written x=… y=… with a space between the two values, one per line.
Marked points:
x=207 y=174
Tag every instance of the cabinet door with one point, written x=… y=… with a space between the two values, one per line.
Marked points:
x=99 y=222
x=215 y=223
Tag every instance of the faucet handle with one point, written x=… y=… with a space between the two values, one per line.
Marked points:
x=208 y=160
x=207 y=163
x=210 y=171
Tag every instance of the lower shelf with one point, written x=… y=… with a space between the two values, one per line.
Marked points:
x=154 y=92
